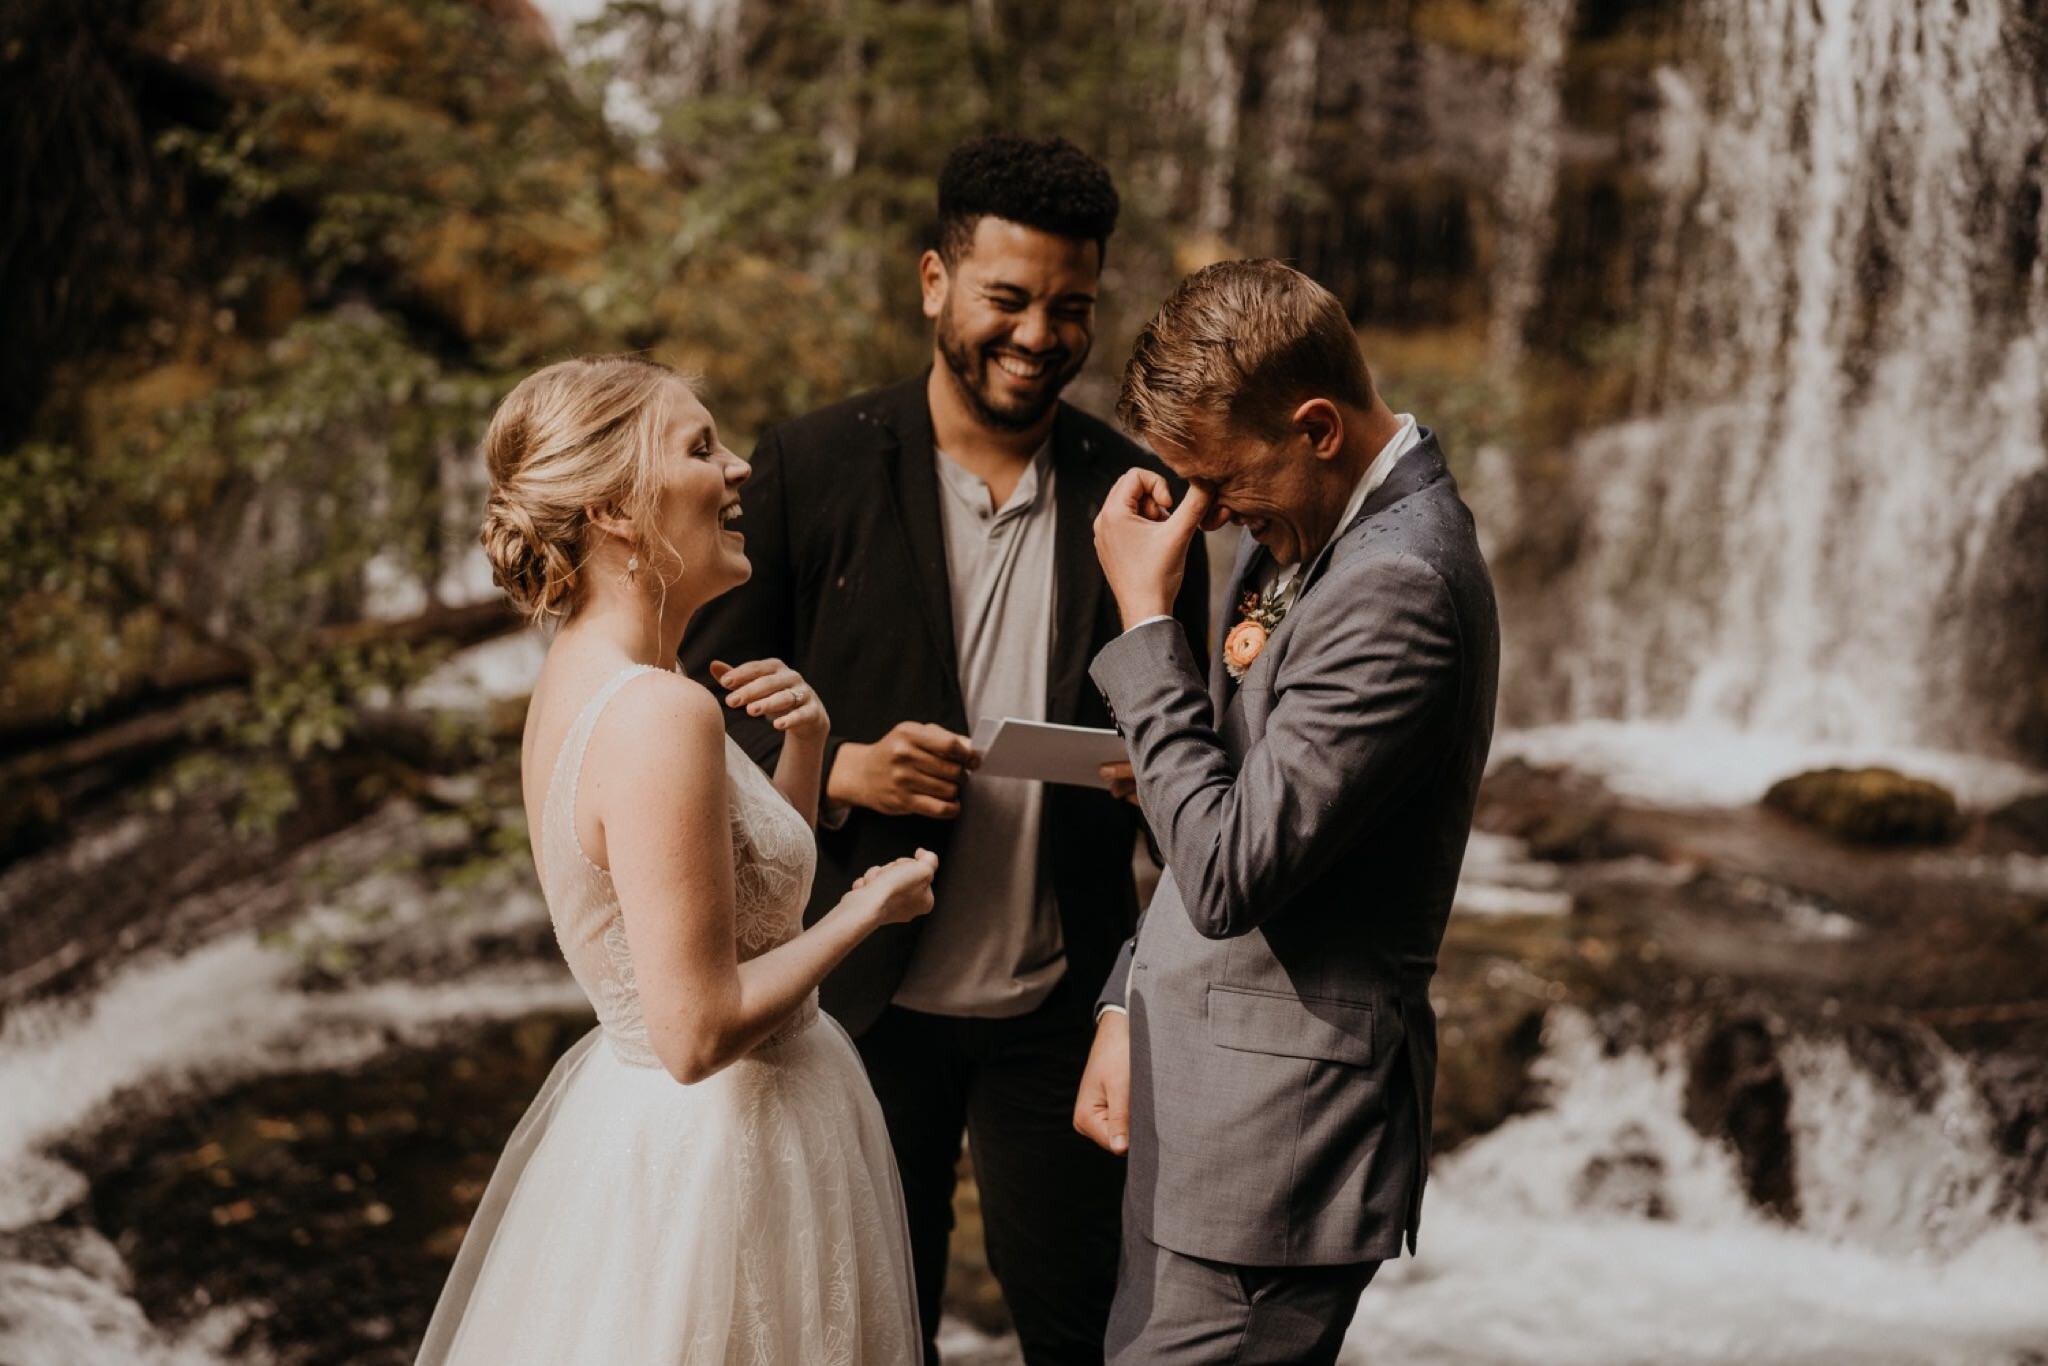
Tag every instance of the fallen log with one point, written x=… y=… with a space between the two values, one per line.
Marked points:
x=138 y=714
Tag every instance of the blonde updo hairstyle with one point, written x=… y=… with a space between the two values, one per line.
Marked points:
x=580 y=434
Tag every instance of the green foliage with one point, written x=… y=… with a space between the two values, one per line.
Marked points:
x=823 y=152
x=326 y=456
x=246 y=515
x=243 y=522
x=226 y=158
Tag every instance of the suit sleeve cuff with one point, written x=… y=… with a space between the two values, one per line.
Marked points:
x=831 y=815
x=1128 y=669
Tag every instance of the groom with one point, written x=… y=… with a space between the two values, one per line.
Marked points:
x=1312 y=799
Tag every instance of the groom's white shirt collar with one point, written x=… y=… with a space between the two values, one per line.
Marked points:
x=1405 y=438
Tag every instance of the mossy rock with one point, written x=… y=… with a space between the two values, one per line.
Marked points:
x=1869 y=806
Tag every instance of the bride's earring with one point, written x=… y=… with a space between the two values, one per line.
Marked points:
x=632 y=569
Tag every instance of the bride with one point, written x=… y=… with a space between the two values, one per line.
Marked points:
x=705 y=1176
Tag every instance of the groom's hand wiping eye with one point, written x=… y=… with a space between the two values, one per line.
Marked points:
x=1142 y=537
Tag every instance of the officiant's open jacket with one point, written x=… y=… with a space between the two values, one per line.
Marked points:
x=850 y=587
x=1313 y=819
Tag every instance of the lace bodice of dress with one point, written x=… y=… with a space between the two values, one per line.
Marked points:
x=773 y=859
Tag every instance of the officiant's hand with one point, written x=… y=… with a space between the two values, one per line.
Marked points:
x=914 y=770
x=1123 y=782
x=1102 y=1112
x=1142 y=540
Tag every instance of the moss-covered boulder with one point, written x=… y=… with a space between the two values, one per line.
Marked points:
x=1869 y=806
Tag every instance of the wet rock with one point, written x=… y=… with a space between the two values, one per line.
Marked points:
x=2014 y=1084
x=1869 y=806
x=1570 y=835
x=1737 y=1092
x=1627 y=1182
x=1485 y=1050
x=1903 y=1057
x=2002 y=665
x=1563 y=816
x=2021 y=824
x=331 y=1201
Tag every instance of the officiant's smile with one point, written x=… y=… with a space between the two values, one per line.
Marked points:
x=1014 y=309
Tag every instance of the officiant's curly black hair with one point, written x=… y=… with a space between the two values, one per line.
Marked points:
x=1044 y=183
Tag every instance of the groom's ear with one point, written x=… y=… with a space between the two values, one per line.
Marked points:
x=933 y=279
x=1319 y=420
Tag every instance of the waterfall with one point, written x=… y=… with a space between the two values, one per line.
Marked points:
x=1529 y=181
x=671 y=51
x=1212 y=79
x=1603 y=1229
x=1848 y=380
x=1289 y=109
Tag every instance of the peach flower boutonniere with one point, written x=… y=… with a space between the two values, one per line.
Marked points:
x=1241 y=647
x=1259 y=615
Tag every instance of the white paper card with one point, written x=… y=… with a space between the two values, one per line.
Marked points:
x=1045 y=751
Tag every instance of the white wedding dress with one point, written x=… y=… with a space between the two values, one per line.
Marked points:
x=753 y=1217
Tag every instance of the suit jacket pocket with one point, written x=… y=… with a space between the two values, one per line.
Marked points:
x=1290 y=1026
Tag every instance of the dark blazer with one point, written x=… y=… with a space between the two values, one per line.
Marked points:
x=1313 y=819
x=850 y=588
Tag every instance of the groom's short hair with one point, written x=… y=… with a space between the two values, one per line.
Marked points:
x=1044 y=183
x=1243 y=341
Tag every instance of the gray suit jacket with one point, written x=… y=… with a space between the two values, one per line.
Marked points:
x=1312 y=820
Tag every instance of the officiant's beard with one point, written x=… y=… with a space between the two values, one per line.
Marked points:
x=970 y=366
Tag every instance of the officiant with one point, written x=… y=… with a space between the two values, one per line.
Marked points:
x=922 y=554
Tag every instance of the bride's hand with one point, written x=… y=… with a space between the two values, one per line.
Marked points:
x=771 y=689
x=893 y=893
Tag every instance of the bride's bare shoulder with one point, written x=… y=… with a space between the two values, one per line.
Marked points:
x=661 y=717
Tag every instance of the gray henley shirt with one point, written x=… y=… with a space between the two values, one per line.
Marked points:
x=992 y=945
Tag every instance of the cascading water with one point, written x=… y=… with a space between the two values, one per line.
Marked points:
x=1604 y=1229
x=1529 y=185
x=1850 y=376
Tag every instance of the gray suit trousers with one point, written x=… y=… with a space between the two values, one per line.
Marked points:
x=1176 y=1310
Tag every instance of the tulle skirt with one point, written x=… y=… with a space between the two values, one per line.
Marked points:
x=753 y=1217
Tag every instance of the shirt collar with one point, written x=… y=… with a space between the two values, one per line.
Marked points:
x=972 y=490
x=1405 y=438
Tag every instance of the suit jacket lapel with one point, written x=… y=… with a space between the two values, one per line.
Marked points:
x=1248 y=551
x=914 y=490
x=1422 y=466
x=1078 y=491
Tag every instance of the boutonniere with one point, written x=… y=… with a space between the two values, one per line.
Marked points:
x=1259 y=615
